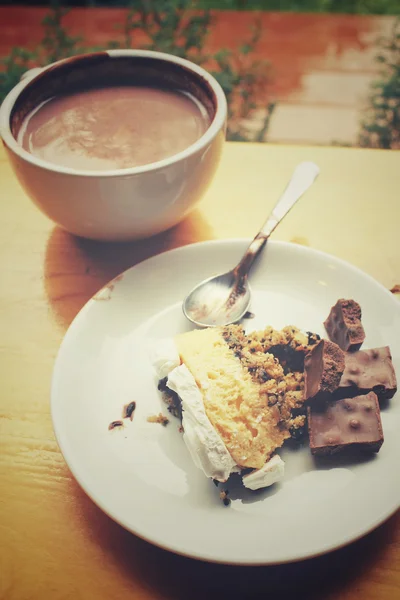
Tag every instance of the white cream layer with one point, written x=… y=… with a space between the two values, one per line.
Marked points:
x=270 y=473
x=205 y=445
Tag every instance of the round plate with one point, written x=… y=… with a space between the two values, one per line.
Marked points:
x=141 y=475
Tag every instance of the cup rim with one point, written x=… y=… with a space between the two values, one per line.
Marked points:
x=216 y=125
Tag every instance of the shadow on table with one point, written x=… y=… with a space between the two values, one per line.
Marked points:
x=180 y=578
x=76 y=268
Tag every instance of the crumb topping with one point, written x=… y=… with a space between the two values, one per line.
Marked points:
x=275 y=360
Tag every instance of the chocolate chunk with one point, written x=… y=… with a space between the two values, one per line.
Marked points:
x=249 y=315
x=344 y=325
x=162 y=384
x=368 y=370
x=128 y=410
x=289 y=358
x=313 y=338
x=224 y=495
x=298 y=433
x=347 y=424
x=323 y=368
x=171 y=398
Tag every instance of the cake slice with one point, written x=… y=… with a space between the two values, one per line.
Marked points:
x=238 y=402
x=235 y=404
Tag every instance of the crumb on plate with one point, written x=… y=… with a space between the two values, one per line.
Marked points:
x=115 y=424
x=128 y=410
x=224 y=495
x=160 y=418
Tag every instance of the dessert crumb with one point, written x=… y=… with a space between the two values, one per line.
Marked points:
x=298 y=239
x=160 y=418
x=128 y=410
x=180 y=429
x=396 y=289
x=115 y=424
x=224 y=497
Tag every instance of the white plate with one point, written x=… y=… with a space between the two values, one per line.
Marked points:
x=142 y=475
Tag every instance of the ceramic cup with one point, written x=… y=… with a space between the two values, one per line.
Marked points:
x=119 y=204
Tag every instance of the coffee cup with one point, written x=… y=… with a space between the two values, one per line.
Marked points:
x=87 y=184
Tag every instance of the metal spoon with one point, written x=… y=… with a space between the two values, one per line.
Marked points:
x=225 y=298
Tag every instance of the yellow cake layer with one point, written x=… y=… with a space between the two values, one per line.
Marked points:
x=232 y=400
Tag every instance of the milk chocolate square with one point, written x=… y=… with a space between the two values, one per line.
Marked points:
x=349 y=424
x=368 y=370
x=344 y=325
x=323 y=369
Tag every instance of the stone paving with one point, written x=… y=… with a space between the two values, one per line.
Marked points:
x=323 y=65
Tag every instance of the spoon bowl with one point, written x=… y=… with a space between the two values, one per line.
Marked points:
x=218 y=301
x=224 y=299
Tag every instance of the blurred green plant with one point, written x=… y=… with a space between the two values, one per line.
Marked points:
x=179 y=28
x=55 y=45
x=245 y=81
x=381 y=125
x=364 y=7
x=182 y=29
x=13 y=66
x=174 y=29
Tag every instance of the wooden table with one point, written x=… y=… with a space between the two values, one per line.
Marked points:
x=55 y=543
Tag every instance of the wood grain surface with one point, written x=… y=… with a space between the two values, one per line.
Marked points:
x=55 y=543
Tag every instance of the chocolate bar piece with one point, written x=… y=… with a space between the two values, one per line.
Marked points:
x=347 y=424
x=368 y=370
x=344 y=325
x=323 y=369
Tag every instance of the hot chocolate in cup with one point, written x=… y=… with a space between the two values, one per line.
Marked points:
x=115 y=145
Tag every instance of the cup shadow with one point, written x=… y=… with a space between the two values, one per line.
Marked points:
x=76 y=268
x=177 y=577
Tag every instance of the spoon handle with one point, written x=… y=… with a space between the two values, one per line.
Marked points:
x=303 y=177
